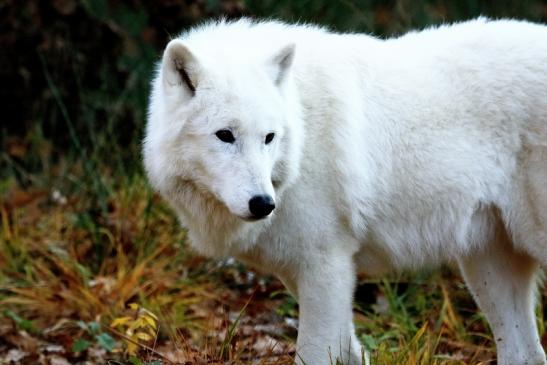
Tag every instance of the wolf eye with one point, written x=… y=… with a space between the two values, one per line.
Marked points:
x=269 y=138
x=225 y=136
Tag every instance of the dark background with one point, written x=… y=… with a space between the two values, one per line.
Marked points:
x=75 y=74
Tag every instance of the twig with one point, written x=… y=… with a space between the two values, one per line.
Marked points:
x=148 y=348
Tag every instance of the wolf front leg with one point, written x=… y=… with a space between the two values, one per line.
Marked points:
x=325 y=294
x=503 y=282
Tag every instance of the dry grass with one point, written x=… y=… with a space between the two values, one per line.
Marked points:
x=70 y=265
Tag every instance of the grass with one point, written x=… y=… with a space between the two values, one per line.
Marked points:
x=69 y=267
x=72 y=258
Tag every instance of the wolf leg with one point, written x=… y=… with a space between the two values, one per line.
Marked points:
x=325 y=294
x=503 y=282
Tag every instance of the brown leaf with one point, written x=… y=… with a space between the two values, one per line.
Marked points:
x=23 y=341
x=19 y=198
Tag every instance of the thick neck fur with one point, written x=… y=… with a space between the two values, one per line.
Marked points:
x=213 y=230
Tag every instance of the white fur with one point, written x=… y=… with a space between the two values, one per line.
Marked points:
x=388 y=155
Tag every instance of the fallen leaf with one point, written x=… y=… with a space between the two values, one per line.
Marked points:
x=58 y=360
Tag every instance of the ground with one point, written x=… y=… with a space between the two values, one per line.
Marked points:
x=71 y=264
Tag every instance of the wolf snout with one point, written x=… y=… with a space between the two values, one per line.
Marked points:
x=261 y=205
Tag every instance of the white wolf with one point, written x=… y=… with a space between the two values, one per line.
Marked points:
x=314 y=156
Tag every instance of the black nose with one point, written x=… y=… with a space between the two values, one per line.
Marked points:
x=261 y=205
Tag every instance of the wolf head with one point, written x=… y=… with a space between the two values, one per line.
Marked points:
x=226 y=124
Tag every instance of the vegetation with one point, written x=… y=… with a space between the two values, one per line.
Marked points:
x=93 y=265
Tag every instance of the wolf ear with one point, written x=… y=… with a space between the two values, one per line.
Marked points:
x=282 y=62
x=180 y=68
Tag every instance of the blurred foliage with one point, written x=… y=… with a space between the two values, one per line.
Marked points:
x=75 y=74
x=390 y=17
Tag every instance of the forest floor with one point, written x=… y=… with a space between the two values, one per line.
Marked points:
x=101 y=273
